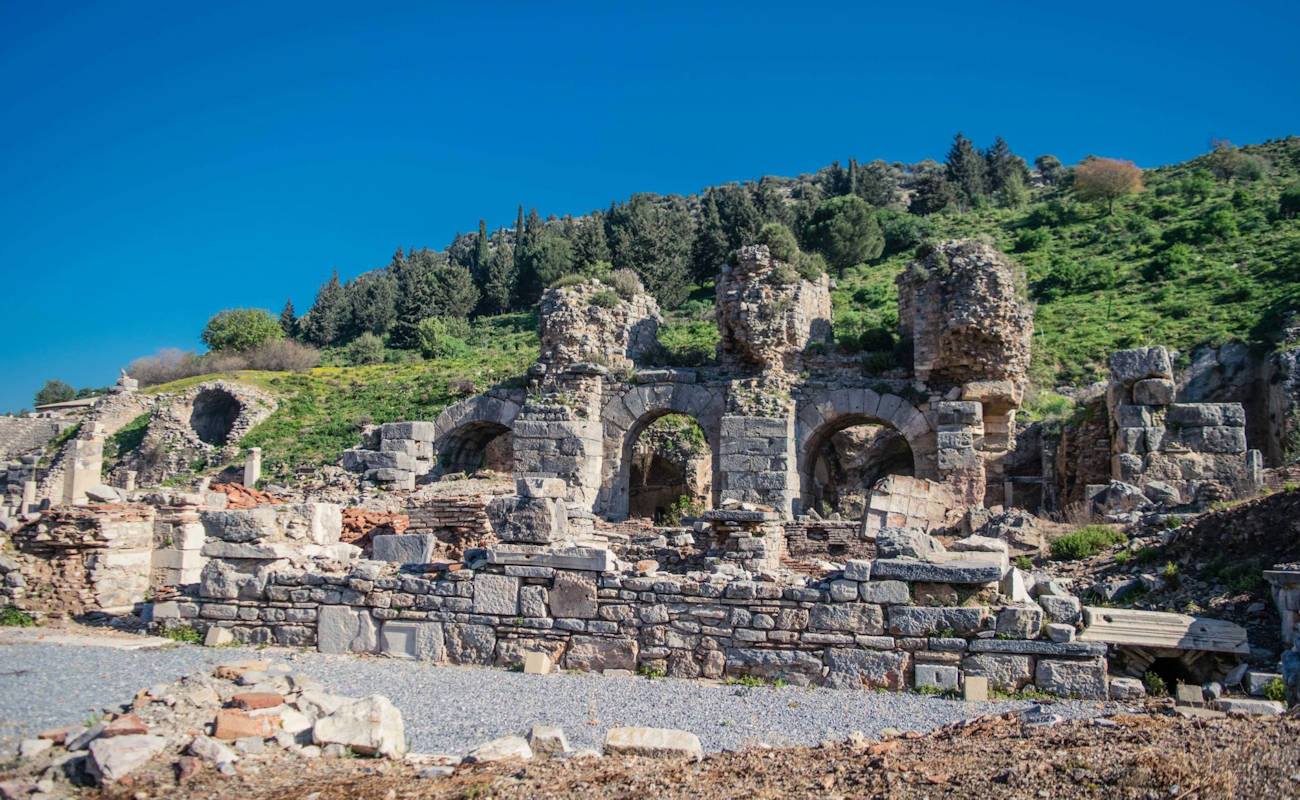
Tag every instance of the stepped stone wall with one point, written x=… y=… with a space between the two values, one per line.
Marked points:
x=19 y=435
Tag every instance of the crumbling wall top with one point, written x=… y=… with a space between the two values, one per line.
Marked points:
x=768 y=314
x=593 y=323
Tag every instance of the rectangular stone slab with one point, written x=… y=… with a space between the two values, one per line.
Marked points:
x=1037 y=647
x=960 y=572
x=1161 y=629
x=594 y=559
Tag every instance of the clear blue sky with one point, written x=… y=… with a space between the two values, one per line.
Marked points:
x=162 y=161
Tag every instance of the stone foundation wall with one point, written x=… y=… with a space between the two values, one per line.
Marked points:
x=20 y=435
x=852 y=632
x=828 y=540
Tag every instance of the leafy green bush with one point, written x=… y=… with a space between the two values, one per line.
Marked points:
x=568 y=280
x=443 y=338
x=1275 y=690
x=625 y=282
x=11 y=617
x=1172 y=262
x=1156 y=686
x=366 y=349
x=183 y=633
x=1221 y=224
x=1032 y=239
x=241 y=329
x=688 y=342
x=1085 y=542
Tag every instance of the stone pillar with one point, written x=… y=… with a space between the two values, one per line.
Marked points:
x=128 y=480
x=253 y=467
x=758 y=462
x=85 y=462
x=960 y=430
x=29 y=497
x=1285 y=584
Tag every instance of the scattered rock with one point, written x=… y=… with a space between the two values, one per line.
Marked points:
x=547 y=741
x=502 y=749
x=113 y=759
x=652 y=742
x=370 y=726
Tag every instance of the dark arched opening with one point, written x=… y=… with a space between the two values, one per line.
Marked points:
x=670 y=470
x=475 y=446
x=213 y=415
x=846 y=461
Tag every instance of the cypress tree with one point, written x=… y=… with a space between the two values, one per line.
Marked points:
x=325 y=320
x=590 y=246
x=482 y=258
x=1003 y=164
x=967 y=170
x=771 y=205
x=498 y=292
x=709 y=248
x=288 y=320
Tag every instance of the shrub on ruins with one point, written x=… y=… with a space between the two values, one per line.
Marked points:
x=167 y=365
x=366 y=349
x=1087 y=541
x=625 y=282
x=443 y=337
x=54 y=391
x=1105 y=180
x=783 y=247
x=241 y=329
x=605 y=298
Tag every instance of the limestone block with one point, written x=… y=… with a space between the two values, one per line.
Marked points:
x=1126 y=689
x=1202 y=415
x=652 y=743
x=1021 y=621
x=1083 y=679
x=537 y=664
x=573 y=595
x=340 y=629
x=528 y=520
x=422 y=641
x=112 y=759
x=419 y=431
x=865 y=669
x=369 y=726
x=324 y=521
x=918 y=621
x=506 y=748
x=936 y=676
x=470 y=644
x=1133 y=416
x=1253 y=708
x=496 y=594
x=595 y=653
x=547 y=741
x=904 y=542
x=1130 y=366
x=975 y=688
x=884 y=592
x=552 y=488
x=1215 y=439
x=966 y=571
x=406 y=548
x=243 y=525
x=863 y=618
x=1006 y=672
x=1153 y=392
x=856 y=569
x=790 y=665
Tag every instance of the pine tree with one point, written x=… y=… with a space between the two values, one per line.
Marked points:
x=845 y=231
x=967 y=170
x=324 y=322
x=373 y=299
x=1003 y=164
x=289 y=320
x=452 y=290
x=652 y=237
x=740 y=218
x=709 y=247
x=415 y=299
x=771 y=204
x=875 y=182
x=933 y=194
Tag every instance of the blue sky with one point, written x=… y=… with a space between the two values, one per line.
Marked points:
x=162 y=161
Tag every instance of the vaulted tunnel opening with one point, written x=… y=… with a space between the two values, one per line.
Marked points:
x=670 y=470
x=475 y=446
x=213 y=415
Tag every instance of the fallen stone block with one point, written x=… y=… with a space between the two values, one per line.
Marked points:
x=1257 y=682
x=82 y=740
x=30 y=748
x=370 y=726
x=251 y=701
x=1189 y=694
x=959 y=571
x=1060 y=633
x=234 y=724
x=125 y=725
x=1082 y=679
x=653 y=743
x=113 y=759
x=1127 y=689
x=407 y=548
x=217 y=637
x=505 y=748
x=547 y=741
x=537 y=664
x=1249 y=707
x=210 y=749
x=1022 y=622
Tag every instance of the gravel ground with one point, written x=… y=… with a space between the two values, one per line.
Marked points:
x=450 y=709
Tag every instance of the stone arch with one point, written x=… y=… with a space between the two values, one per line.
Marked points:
x=821 y=414
x=626 y=415
x=465 y=433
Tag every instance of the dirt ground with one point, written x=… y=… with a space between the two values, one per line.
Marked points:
x=1147 y=756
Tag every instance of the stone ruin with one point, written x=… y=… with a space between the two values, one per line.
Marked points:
x=766 y=579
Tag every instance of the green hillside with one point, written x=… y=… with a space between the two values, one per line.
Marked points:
x=1207 y=252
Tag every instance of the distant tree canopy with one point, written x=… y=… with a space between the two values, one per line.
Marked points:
x=672 y=243
x=1106 y=180
x=54 y=391
x=240 y=329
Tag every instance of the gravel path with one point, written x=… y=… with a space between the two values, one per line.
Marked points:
x=451 y=709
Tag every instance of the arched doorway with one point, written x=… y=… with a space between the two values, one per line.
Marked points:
x=846 y=458
x=213 y=415
x=475 y=446
x=670 y=469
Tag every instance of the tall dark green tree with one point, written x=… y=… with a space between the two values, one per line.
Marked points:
x=844 y=230
x=502 y=279
x=933 y=194
x=482 y=256
x=452 y=290
x=1004 y=167
x=709 y=247
x=966 y=170
x=325 y=321
x=740 y=218
x=652 y=236
x=835 y=180
x=519 y=236
x=590 y=246
x=374 y=303
x=771 y=203
x=289 y=320
x=548 y=258
x=876 y=183
x=54 y=391
x=1050 y=169
x=415 y=299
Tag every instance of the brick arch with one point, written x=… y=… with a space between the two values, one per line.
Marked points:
x=627 y=414
x=823 y=413
x=466 y=427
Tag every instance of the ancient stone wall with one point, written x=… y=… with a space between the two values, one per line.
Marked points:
x=19 y=435
x=860 y=630
x=591 y=323
x=767 y=314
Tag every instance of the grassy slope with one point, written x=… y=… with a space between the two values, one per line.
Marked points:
x=1234 y=287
